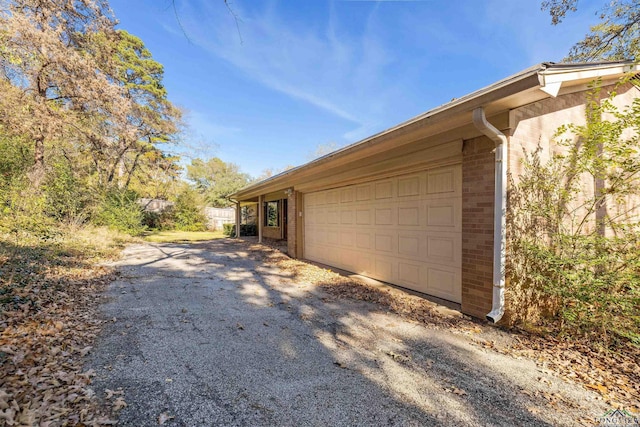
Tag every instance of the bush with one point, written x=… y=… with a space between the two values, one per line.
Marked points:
x=121 y=211
x=188 y=215
x=159 y=221
x=67 y=199
x=229 y=230
x=248 y=230
x=574 y=258
x=23 y=212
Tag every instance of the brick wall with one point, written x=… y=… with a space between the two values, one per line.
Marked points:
x=271 y=232
x=535 y=124
x=292 y=220
x=478 y=159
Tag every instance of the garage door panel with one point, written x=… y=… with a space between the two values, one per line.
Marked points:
x=441 y=215
x=347 y=195
x=441 y=181
x=404 y=230
x=332 y=197
x=363 y=216
x=333 y=216
x=384 y=242
x=321 y=216
x=384 y=190
x=333 y=237
x=444 y=214
x=444 y=248
x=443 y=282
x=346 y=216
x=409 y=216
x=383 y=268
x=409 y=274
x=384 y=215
x=409 y=186
x=409 y=246
x=364 y=239
x=363 y=193
x=347 y=238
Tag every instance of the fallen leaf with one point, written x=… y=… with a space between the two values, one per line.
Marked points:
x=119 y=404
x=459 y=392
x=598 y=387
x=164 y=417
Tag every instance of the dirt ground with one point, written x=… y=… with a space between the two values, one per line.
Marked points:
x=209 y=334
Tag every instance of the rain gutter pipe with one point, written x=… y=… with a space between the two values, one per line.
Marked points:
x=499 y=212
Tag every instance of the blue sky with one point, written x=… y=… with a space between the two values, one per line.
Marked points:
x=294 y=75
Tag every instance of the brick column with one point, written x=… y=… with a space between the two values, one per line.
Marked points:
x=478 y=177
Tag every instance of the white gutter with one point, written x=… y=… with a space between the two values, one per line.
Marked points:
x=499 y=212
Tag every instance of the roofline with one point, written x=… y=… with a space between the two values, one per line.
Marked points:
x=550 y=77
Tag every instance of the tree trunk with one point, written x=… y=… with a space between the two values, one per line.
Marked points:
x=36 y=175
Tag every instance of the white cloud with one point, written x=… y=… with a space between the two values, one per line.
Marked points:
x=350 y=68
x=325 y=64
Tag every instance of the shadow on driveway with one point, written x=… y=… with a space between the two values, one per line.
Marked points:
x=208 y=334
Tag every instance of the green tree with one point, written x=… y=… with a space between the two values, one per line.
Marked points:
x=216 y=180
x=615 y=37
x=153 y=119
x=188 y=211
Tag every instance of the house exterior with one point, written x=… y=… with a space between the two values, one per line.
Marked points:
x=422 y=205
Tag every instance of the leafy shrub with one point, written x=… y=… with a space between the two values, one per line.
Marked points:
x=248 y=230
x=23 y=212
x=160 y=221
x=120 y=210
x=229 y=230
x=574 y=255
x=187 y=213
x=67 y=199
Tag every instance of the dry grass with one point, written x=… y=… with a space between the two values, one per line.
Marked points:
x=182 y=236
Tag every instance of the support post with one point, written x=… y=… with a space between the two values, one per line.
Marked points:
x=237 y=220
x=260 y=215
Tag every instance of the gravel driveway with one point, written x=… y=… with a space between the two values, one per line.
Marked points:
x=207 y=334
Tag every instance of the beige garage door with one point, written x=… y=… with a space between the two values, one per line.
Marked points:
x=404 y=230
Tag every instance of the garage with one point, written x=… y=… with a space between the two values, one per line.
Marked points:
x=404 y=230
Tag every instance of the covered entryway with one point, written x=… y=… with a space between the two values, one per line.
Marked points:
x=404 y=230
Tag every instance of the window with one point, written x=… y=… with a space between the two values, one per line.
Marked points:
x=272 y=214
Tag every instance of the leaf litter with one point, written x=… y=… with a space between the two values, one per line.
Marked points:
x=48 y=322
x=615 y=376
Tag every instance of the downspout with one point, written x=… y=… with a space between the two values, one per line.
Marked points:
x=499 y=212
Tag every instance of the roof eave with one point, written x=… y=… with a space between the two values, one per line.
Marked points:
x=547 y=77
